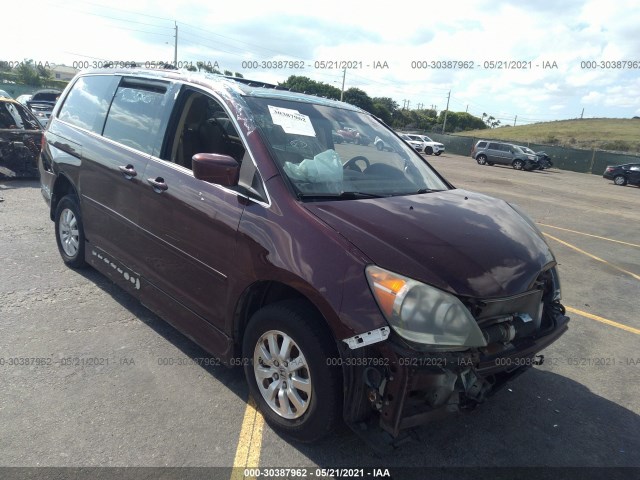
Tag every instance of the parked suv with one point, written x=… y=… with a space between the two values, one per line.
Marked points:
x=428 y=146
x=491 y=153
x=41 y=104
x=350 y=283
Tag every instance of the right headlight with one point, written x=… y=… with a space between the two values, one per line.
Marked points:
x=421 y=313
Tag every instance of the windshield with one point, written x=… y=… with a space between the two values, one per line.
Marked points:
x=426 y=139
x=302 y=139
x=527 y=150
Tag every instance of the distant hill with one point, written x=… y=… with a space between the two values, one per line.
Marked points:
x=616 y=134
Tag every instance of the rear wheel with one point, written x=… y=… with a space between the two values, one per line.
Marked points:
x=287 y=347
x=518 y=164
x=69 y=231
x=481 y=159
x=620 y=180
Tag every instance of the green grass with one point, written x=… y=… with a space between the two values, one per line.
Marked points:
x=617 y=134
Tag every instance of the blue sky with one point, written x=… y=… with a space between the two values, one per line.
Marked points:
x=535 y=34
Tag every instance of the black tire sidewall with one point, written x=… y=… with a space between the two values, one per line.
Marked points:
x=325 y=407
x=71 y=202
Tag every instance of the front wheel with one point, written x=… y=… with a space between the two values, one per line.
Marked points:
x=287 y=348
x=518 y=164
x=69 y=231
x=620 y=180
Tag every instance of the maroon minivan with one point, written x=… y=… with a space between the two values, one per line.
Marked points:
x=353 y=284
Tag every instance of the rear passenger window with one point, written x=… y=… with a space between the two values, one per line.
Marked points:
x=135 y=116
x=494 y=146
x=88 y=101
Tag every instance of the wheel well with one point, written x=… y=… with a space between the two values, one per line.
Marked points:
x=259 y=295
x=62 y=187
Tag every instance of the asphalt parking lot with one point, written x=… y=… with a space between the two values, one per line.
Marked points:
x=123 y=388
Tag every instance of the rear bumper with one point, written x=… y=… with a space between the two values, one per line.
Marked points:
x=406 y=388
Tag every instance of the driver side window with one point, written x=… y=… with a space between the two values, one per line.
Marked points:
x=202 y=126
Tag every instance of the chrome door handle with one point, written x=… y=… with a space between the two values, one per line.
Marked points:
x=158 y=184
x=129 y=172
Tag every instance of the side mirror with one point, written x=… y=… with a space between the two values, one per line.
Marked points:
x=215 y=168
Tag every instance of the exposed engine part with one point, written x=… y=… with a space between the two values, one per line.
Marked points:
x=375 y=380
x=501 y=332
x=475 y=388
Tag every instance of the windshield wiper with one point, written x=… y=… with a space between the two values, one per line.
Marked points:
x=349 y=195
x=428 y=190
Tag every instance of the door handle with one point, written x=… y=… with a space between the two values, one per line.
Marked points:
x=129 y=172
x=158 y=184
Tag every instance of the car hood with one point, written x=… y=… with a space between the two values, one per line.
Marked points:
x=466 y=243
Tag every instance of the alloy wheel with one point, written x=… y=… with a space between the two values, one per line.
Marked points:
x=69 y=232
x=282 y=374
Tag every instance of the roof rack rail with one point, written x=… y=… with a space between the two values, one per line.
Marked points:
x=252 y=83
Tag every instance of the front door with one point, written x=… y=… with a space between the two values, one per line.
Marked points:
x=189 y=226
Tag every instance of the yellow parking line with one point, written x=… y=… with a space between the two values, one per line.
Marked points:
x=249 y=443
x=603 y=320
x=637 y=277
x=590 y=235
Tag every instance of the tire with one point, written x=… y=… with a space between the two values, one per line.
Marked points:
x=481 y=159
x=319 y=406
x=70 y=232
x=620 y=180
x=518 y=164
x=428 y=150
x=437 y=154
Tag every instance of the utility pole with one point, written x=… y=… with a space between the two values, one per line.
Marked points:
x=444 y=123
x=408 y=103
x=582 y=113
x=514 y=120
x=467 y=110
x=344 y=75
x=175 y=50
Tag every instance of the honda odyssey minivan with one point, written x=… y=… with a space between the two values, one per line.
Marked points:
x=353 y=284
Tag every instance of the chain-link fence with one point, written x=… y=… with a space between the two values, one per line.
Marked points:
x=577 y=160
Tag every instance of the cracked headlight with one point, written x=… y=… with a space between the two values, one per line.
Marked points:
x=421 y=313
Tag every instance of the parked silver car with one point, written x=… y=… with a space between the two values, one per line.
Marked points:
x=490 y=153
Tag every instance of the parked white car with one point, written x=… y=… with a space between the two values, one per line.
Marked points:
x=428 y=146
x=418 y=145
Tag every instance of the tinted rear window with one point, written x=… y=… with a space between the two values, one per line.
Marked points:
x=88 y=101
x=134 y=118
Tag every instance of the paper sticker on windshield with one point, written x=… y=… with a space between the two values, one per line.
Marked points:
x=292 y=121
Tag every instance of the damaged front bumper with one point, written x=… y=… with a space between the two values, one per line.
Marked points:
x=405 y=387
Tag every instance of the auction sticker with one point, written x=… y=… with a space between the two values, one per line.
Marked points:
x=292 y=121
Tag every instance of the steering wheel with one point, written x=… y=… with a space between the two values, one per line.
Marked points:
x=353 y=164
x=298 y=144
